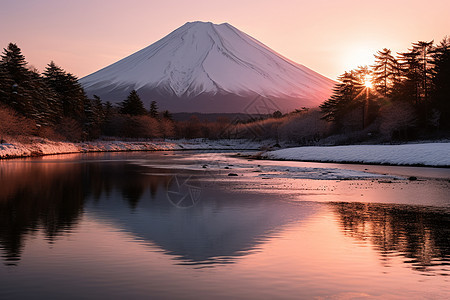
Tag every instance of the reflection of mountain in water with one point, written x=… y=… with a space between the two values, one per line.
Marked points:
x=217 y=230
x=420 y=234
x=51 y=197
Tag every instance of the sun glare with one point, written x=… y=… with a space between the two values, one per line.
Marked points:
x=357 y=55
x=368 y=82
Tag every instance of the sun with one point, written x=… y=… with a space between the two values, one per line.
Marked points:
x=368 y=81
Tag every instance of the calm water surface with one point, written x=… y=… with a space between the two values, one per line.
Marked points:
x=176 y=226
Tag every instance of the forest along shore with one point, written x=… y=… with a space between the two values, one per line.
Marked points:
x=419 y=154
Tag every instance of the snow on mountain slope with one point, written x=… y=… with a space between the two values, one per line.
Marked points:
x=200 y=64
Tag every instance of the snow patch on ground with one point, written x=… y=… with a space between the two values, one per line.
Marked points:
x=427 y=154
x=37 y=148
x=45 y=147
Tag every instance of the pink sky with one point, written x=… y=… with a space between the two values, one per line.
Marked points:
x=329 y=37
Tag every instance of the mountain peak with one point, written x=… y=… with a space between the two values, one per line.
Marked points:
x=207 y=23
x=202 y=60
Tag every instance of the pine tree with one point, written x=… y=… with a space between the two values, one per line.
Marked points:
x=6 y=85
x=70 y=93
x=112 y=119
x=95 y=117
x=46 y=110
x=132 y=105
x=344 y=97
x=408 y=88
x=154 y=110
x=416 y=70
x=351 y=97
x=167 y=115
x=108 y=111
x=441 y=82
x=425 y=50
x=98 y=108
x=384 y=72
x=416 y=84
x=14 y=65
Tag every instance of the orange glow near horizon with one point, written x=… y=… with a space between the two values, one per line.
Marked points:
x=368 y=81
x=329 y=37
x=358 y=56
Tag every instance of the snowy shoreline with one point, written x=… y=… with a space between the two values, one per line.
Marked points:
x=41 y=147
x=425 y=154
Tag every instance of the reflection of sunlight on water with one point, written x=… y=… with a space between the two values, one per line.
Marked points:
x=428 y=192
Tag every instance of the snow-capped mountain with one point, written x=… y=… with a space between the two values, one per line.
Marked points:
x=204 y=67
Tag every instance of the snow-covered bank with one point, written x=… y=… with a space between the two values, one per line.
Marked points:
x=428 y=154
x=37 y=148
x=45 y=147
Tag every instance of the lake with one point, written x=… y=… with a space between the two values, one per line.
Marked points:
x=190 y=225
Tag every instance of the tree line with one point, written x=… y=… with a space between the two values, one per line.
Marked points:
x=401 y=97
x=52 y=104
x=404 y=96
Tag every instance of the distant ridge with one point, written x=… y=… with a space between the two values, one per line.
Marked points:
x=209 y=68
x=211 y=117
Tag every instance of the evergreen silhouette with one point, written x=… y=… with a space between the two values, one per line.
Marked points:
x=154 y=110
x=441 y=82
x=425 y=50
x=6 y=85
x=14 y=65
x=167 y=115
x=133 y=105
x=70 y=93
x=95 y=117
x=46 y=107
x=24 y=90
x=385 y=72
x=344 y=97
